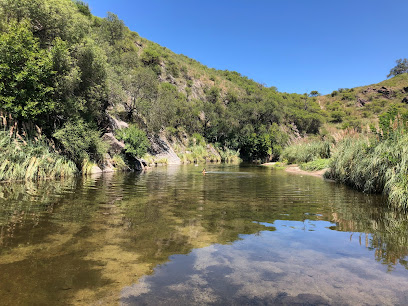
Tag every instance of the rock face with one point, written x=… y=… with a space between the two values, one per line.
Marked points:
x=95 y=170
x=361 y=102
x=160 y=147
x=369 y=90
x=135 y=163
x=108 y=166
x=384 y=91
x=213 y=151
x=115 y=146
x=116 y=123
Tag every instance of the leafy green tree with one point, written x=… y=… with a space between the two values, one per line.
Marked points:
x=113 y=27
x=26 y=75
x=136 y=142
x=314 y=93
x=400 y=68
x=83 y=7
x=164 y=110
x=48 y=18
x=142 y=87
x=151 y=58
x=92 y=62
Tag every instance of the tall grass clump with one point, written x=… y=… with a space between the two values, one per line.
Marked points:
x=360 y=163
x=31 y=160
x=304 y=152
x=377 y=164
x=229 y=156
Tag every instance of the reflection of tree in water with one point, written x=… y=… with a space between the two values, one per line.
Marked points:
x=122 y=226
x=378 y=227
x=32 y=205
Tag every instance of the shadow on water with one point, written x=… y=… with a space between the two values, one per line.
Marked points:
x=237 y=235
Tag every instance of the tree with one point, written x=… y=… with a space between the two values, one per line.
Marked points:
x=48 y=18
x=114 y=28
x=400 y=68
x=26 y=76
x=142 y=87
x=314 y=93
x=136 y=142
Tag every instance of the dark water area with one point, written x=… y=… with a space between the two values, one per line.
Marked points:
x=173 y=236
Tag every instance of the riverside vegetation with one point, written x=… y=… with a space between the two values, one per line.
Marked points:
x=70 y=75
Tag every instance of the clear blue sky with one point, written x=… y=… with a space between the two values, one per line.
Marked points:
x=295 y=45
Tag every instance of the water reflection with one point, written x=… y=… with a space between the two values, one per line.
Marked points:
x=99 y=238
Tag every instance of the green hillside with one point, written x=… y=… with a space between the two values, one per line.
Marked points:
x=361 y=106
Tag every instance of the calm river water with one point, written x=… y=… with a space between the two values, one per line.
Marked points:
x=172 y=236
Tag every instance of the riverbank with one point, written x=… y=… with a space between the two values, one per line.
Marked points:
x=295 y=169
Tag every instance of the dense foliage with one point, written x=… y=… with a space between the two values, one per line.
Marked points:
x=60 y=64
x=135 y=139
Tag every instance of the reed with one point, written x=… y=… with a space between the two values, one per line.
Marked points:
x=23 y=159
x=307 y=151
x=374 y=165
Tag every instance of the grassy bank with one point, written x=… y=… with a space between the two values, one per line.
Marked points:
x=306 y=151
x=31 y=160
x=374 y=166
x=374 y=162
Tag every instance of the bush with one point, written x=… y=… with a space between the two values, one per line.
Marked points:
x=119 y=163
x=136 y=142
x=81 y=142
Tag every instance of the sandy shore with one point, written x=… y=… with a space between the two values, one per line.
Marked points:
x=296 y=170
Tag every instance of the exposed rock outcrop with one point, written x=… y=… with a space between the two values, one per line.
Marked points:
x=161 y=148
x=135 y=163
x=385 y=92
x=116 y=124
x=115 y=146
x=95 y=170
x=108 y=165
x=360 y=102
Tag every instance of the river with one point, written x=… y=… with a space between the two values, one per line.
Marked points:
x=173 y=236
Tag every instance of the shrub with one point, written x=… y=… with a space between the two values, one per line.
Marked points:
x=81 y=142
x=119 y=162
x=136 y=142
